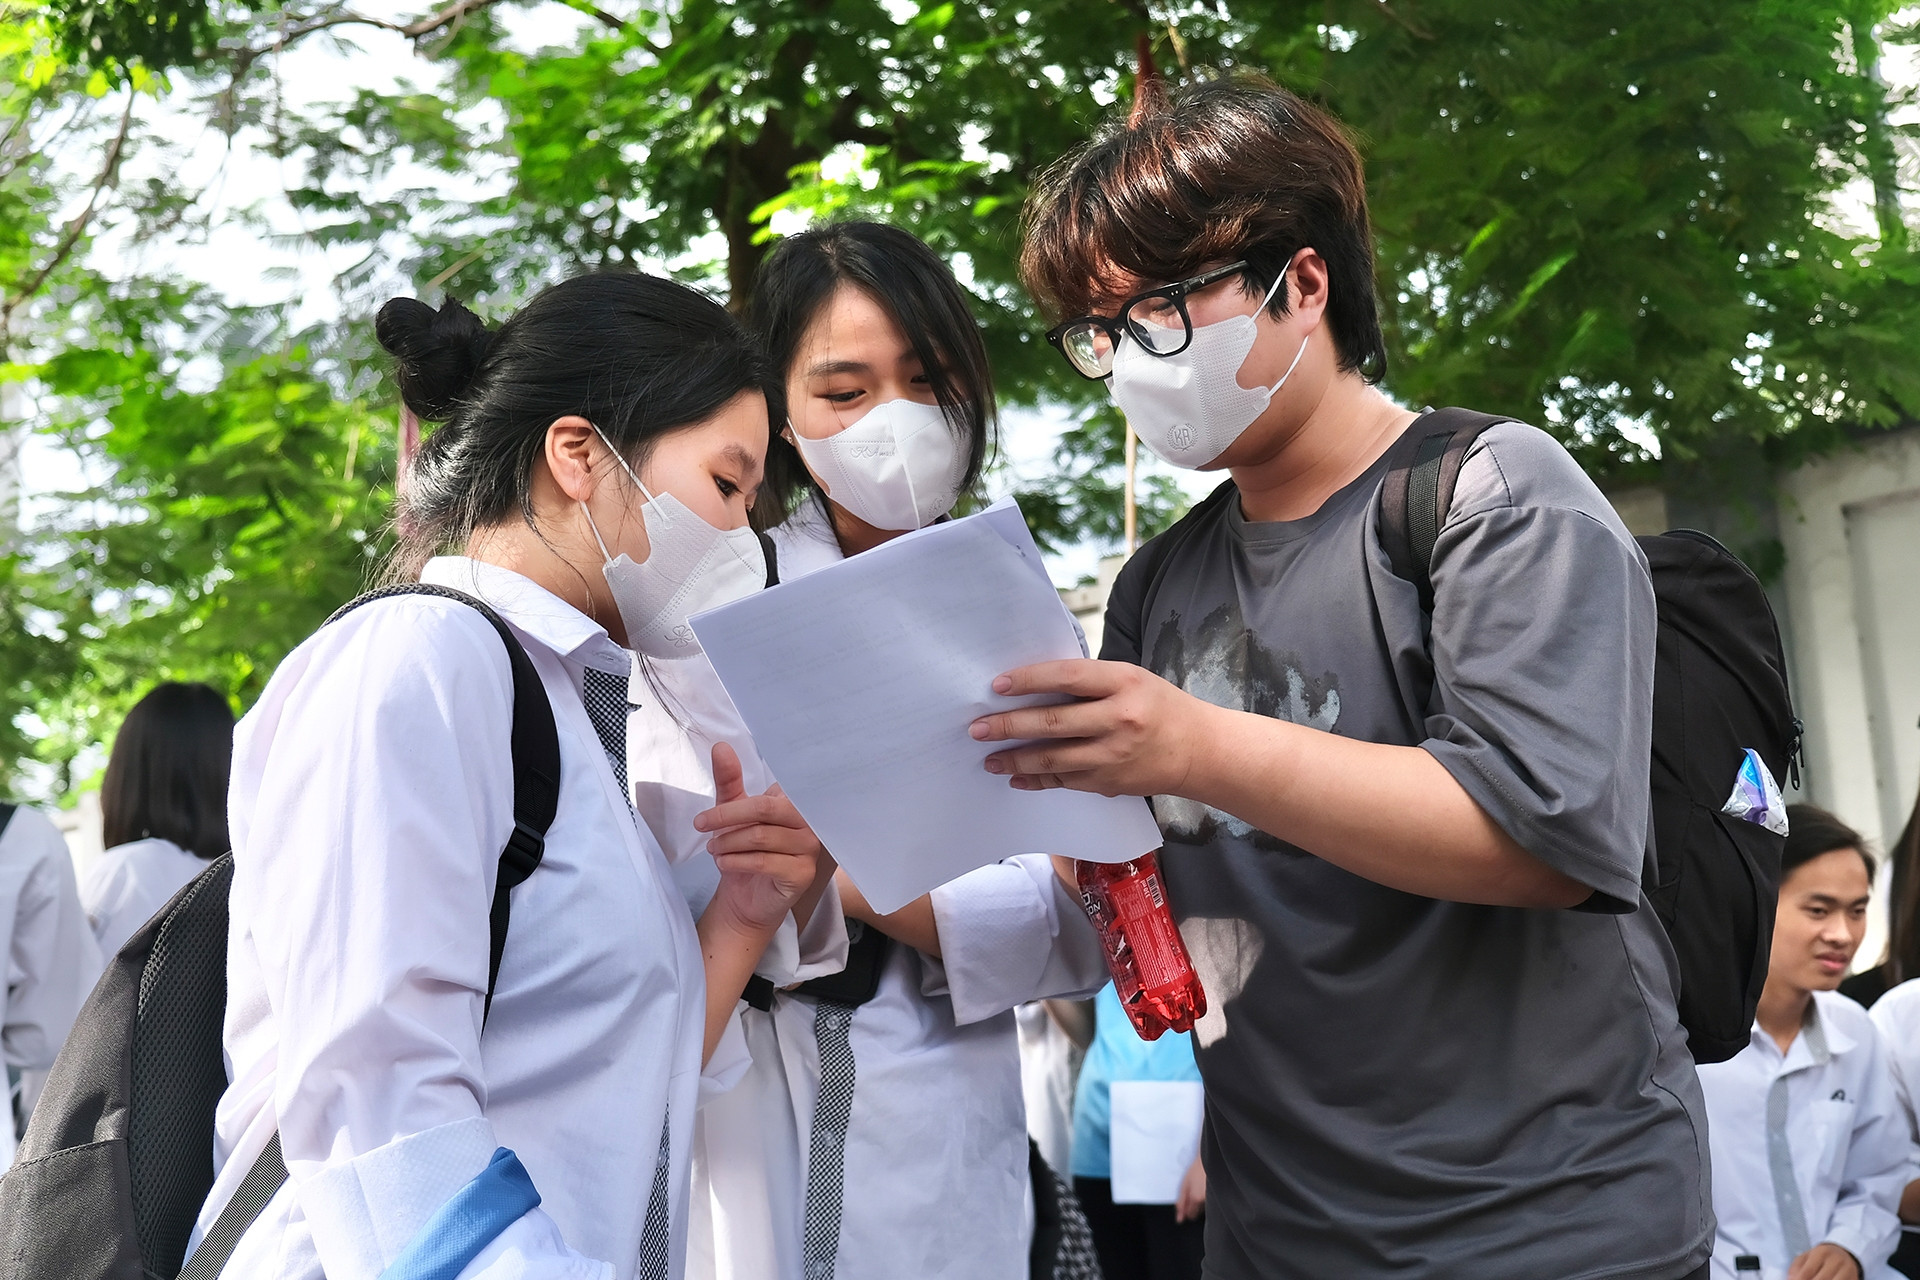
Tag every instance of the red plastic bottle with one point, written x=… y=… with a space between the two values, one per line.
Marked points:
x=1127 y=903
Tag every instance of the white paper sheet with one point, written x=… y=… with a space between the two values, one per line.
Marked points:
x=1155 y=1127
x=858 y=683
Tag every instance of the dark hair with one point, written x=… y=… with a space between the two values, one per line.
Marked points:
x=167 y=776
x=1903 y=924
x=908 y=281
x=1812 y=832
x=1230 y=168
x=636 y=355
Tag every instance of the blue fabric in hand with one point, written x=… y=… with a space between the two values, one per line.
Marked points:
x=493 y=1201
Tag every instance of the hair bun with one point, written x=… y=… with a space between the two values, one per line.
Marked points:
x=436 y=353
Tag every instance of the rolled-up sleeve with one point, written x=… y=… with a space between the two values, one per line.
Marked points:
x=1543 y=647
x=1010 y=933
x=365 y=882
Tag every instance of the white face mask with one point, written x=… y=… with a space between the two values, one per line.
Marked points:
x=898 y=467
x=690 y=566
x=1188 y=408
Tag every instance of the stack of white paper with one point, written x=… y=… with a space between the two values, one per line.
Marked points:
x=858 y=683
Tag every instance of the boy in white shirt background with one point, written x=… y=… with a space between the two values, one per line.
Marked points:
x=1810 y=1151
x=52 y=960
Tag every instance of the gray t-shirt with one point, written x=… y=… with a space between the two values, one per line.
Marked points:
x=1398 y=1086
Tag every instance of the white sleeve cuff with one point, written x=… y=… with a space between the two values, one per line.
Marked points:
x=365 y=1210
x=796 y=955
x=531 y=1249
x=999 y=929
x=730 y=1061
x=823 y=944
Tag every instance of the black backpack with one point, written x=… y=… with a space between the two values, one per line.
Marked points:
x=1719 y=687
x=118 y=1158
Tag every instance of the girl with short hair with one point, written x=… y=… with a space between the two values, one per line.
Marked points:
x=163 y=806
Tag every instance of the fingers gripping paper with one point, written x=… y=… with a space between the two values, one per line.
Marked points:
x=858 y=683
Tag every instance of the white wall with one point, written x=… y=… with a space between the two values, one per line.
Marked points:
x=1851 y=527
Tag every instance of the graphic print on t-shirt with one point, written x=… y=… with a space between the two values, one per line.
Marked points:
x=1222 y=662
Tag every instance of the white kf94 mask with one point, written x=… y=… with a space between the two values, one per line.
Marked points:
x=690 y=566
x=898 y=467
x=1188 y=408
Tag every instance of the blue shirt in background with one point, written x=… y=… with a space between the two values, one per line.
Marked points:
x=1118 y=1053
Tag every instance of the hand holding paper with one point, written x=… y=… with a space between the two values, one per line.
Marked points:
x=1132 y=733
x=859 y=682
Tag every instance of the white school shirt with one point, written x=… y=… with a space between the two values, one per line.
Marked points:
x=129 y=883
x=935 y=1160
x=1849 y=1143
x=372 y=794
x=745 y=1164
x=1896 y=1015
x=52 y=961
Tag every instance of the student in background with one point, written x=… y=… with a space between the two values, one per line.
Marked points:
x=1902 y=961
x=1134 y=1241
x=52 y=960
x=1810 y=1150
x=163 y=806
x=1897 y=1015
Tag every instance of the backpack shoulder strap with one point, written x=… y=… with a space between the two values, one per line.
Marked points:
x=536 y=765
x=1423 y=467
x=536 y=798
x=6 y=816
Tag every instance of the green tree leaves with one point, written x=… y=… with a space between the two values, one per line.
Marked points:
x=1621 y=221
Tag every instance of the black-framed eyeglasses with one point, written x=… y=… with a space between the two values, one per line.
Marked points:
x=1156 y=319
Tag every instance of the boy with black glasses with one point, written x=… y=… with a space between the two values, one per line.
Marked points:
x=1405 y=845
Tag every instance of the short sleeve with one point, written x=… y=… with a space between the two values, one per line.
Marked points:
x=1120 y=625
x=1543 y=646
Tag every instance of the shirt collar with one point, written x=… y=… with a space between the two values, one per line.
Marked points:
x=1820 y=1041
x=806 y=542
x=531 y=608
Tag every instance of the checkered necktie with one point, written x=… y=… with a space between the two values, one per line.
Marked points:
x=827 y=1145
x=655 y=1234
x=605 y=693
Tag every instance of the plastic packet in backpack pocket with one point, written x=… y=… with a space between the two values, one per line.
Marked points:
x=1756 y=796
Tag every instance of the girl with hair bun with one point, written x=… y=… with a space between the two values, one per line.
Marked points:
x=591 y=481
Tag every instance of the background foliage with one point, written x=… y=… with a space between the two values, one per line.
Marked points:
x=1640 y=224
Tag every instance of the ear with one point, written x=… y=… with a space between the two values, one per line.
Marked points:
x=574 y=455
x=1308 y=288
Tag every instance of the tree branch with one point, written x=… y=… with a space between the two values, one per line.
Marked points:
x=76 y=228
x=416 y=31
x=1408 y=25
